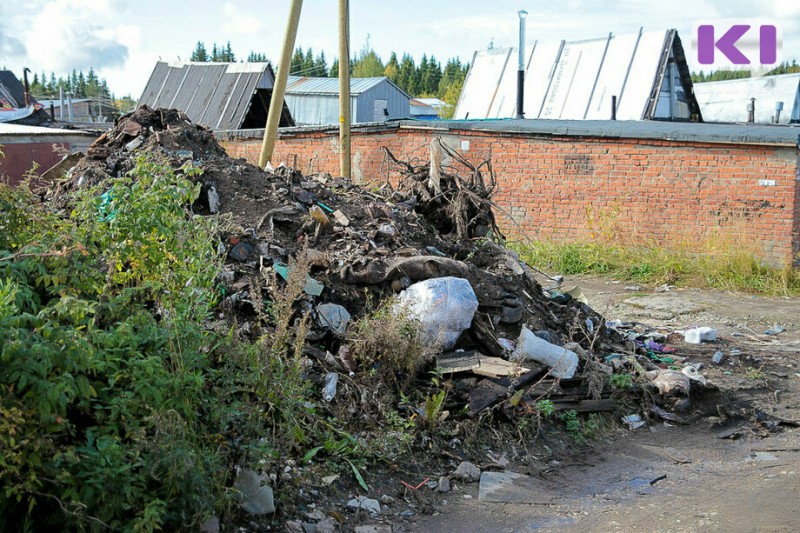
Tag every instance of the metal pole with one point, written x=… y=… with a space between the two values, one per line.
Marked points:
x=521 y=68
x=61 y=105
x=279 y=89
x=344 y=88
x=751 y=110
x=69 y=106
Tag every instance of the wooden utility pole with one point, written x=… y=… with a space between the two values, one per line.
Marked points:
x=279 y=89
x=344 y=88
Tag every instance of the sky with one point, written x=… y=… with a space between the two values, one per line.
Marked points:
x=122 y=40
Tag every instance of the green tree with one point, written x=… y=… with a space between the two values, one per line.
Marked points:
x=406 y=75
x=334 y=71
x=298 y=61
x=254 y=57
x=391 y=68
x=321 y=66
x=199 y=53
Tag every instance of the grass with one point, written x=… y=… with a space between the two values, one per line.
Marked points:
x=722 y=263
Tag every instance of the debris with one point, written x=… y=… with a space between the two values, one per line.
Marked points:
x=329 y=391
x=443 y=485
x=328 y=480
x=775 y=330
x=659 y=478
x=468 y=472
x=453 y=362
x=658 y=411
x=496 y=367
x=444 y=307
x=340 y=218
x=333 y=317
x=210 y=526
x=718 y=356
x=671 y=382
x=255 y=498
x=698 y=335
x=387 y=500
x=664 y=288
x=368 y=504
x=373 y=529
x=633 y=421
x=562 y=362
x=692 y=373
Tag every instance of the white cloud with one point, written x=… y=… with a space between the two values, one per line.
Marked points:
x=240 y=22
x=71 y=34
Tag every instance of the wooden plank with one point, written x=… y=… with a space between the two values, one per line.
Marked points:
x=496 y=367
x=484 y=395
x=585 y=406
x=453 y=362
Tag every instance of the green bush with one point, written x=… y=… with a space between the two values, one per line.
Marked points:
x=110 y=414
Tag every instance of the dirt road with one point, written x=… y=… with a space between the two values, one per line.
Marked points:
x=672 y=477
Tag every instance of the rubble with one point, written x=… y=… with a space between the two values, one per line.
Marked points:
x=359 y=248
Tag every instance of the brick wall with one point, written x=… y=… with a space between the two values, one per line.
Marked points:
x=659 y=192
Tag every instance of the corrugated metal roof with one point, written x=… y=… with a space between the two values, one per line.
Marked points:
x=576 y=80
x=726 y=101
x=298 y=85
x=218 y=95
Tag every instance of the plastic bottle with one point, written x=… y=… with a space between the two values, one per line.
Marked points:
x=329 y=391
x=562 y=362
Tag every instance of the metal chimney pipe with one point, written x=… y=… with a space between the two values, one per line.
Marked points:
x=778 y=109
x=751 y=110
x=521 y=68
x=614 y=107
x=61 y=107
x=27 y=87
x=69 y=106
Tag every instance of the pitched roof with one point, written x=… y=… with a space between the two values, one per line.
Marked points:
x=647 y=73
x=218 y=95
x=302 y=85
x=11 y=90
x=726 y=101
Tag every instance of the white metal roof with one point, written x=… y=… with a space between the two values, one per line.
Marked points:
x=571 y=80
x=726 y=101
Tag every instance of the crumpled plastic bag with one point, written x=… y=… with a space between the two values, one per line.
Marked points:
x=444 y=306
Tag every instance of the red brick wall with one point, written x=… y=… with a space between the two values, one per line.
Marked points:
x=705 y=196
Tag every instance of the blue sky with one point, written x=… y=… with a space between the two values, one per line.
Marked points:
x=122 y=40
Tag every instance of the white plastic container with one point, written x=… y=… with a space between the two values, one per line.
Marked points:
x=698 y=335
x=561 y=361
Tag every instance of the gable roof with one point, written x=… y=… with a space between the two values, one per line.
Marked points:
x=726 y=101
x=11 y=90
x=219 y=95
x=576 y=80
x=303 y=85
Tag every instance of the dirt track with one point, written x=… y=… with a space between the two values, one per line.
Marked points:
x=747 y=483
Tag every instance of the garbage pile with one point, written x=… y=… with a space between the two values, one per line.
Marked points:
x=429 y=246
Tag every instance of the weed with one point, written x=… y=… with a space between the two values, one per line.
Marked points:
x=622 y=381
x=754 y=374
x=546 y=408
x=725 y=263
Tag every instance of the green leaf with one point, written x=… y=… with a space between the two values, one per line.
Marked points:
x=310 y=454
x=358 y=476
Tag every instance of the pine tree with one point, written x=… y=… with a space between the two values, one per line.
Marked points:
x=298 y=59
x=257 y=58
x=321 y=66
x=199 y=53
x=334 y=71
